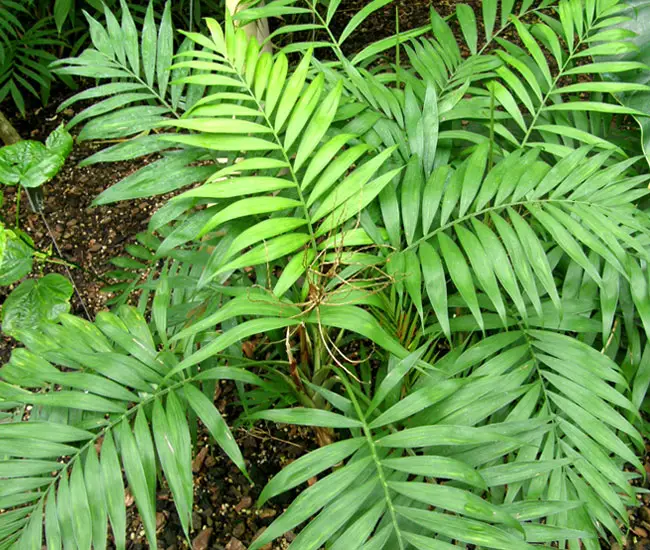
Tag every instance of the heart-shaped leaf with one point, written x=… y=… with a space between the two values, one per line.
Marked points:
x=15 y=257
x=30 y=163
x=36 y=302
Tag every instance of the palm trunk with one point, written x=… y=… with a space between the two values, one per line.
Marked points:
x=259 y=29
x=8 y=133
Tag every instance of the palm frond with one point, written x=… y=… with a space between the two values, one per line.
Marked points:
x=119 y=406
x=490 y=232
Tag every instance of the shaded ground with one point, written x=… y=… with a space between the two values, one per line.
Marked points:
x=225 y=516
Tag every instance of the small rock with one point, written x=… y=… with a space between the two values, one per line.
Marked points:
x=239 y=530
x=244 y=503
x=210 y=461
x=201 y=540
x=235 y=544
x=290 y=536
x=267 y=513
x=197 y=463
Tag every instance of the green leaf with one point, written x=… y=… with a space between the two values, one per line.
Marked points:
x=313 y=499
x=165 y=49
x=268 y=251
x=393 y=378
x=412 y=185
x=170 y=453
x=454 y=500
x=114 y=490
x=482 y=267
x=463 y=529
x=416 y=402
x=61 y=11
x=149 y=44
x=308 y=466
x=30 y=163
x=318 y=125
x=460 y=275
x=95 y=491
x=427 y=436
x=467 y=20
x=307 y=417
x=248 y=207
x=536 y=256
x=334 y=516
x=216 y=425
x=81 y=519
x=36 y=302
x=437 y=467
x=130 y=34
x=360 y=17
x=137 y=481
x=293 y=271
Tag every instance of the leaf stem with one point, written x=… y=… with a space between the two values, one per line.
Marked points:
x=375 y=457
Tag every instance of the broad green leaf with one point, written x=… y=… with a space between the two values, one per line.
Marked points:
x=308 y=466
x=460 y=274
x=467 y=20
x=95 y=490
x=35 y=302
x=248 y=207
x=149 y=43
x=444 y=435
x=313 y=499
x=169 y=453
x=81 y=519
x=412 y=186
x=436 y=467
x=135 y=475
x=268 y=251
x=318 y=126
x=467 y=530
x=215 y=423
x=307 y=417
x=114 y=490
x=416 y=402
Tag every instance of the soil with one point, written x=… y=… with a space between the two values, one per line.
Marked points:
x=225 y=516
